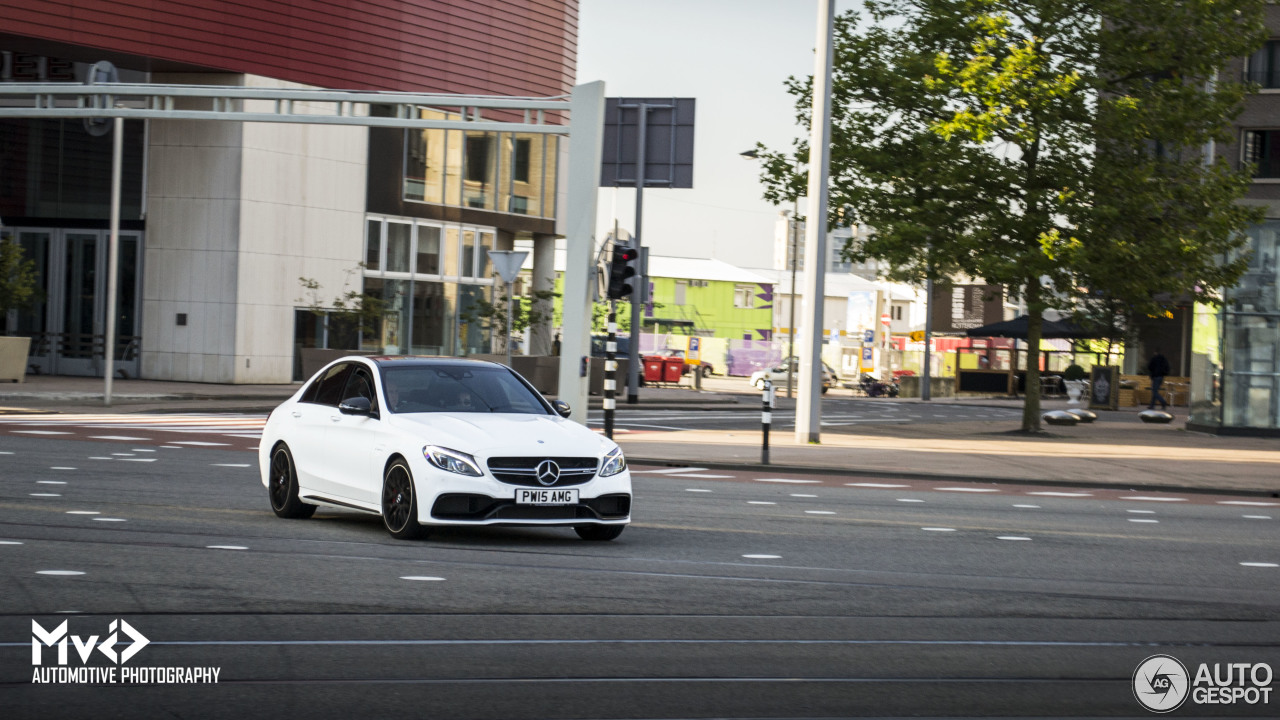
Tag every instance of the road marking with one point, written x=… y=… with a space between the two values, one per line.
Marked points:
x=1259 y=564
x=9 y=542
x=62 y=468
x=115 y=437
x=964 y=489
x=876 y=485
x=226 y=547
x=763 y=557
x=426 y=578
x=200 y=443
x=667 y=471
x=695 y=490
x=59 y=572
x=42 y=432
x=692 y=475
x=1143 y=520
x=1062 y=494
x=1154 y=499
x=1247 y=502
x=789 y=481
x=231 y=465
x=137 y=450
x=132 y=459
x=1011 y=537
x=803 y=495
x=44 y=494
x=1032 y=507
x=51 y=482
x=909 y=500
x=819 y=512
x=1257 y=517
x=83 y=512
x=760 y=502
x=938 y=529
x=170 y=447
x=100 y=457
x=110 y=520
x=122 y=454
x=1141 y=512
x=5 y=452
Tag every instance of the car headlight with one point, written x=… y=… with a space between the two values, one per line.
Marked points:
x=452 y=461
x=614 y=463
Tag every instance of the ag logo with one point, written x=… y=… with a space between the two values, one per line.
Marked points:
x=1160 y=683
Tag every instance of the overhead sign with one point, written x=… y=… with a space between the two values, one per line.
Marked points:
x=668 y=147
x=957 y=308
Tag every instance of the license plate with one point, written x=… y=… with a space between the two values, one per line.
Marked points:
x=546 y=497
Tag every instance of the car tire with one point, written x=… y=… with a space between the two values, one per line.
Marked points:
x=599 y=533
x=282 y=487
x=825 y=389
x=400 y=502
x=759 y=383
x=706 y=371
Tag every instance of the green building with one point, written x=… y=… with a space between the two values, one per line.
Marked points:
x=708 y=298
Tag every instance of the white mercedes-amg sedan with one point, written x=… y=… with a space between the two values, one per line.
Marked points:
x=430 y=441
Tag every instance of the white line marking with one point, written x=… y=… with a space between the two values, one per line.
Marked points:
x=1011 y=537
x=876 y=485
x=110 y=519
x=667 y=471
x=226 y=547
x=83 y=512
x=9 y=542
x=792 y=482
x=1154 y=499
x=5 y=452
x=763 y=557
x=1062 y=494
x=170 y=447
x=246 y=436
x=909 y=500
x=695 y=490
x=421 y=577
x=200 y=443
x=42 y=432
x=59 y=572
x=964 y=489
x=142 y=449
x=1257 y=517
x=115 y=437
x=1250 y=503
x=1258 y=564
x=694 y=475
x=803 y=495
x=50 y=482
x=100 y=457
x=62 y=468
x=1032 y=507
x=44 y=494
x=122 y=454
x=137 y=459
x=1143 y=520
x=232 y=465
x=1142 y=512
x=760 y=502
x=819 y=512
x=938 y=529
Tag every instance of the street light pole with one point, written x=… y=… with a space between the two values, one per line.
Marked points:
x=794 y=227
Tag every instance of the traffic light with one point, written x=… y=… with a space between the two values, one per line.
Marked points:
x=621 y=268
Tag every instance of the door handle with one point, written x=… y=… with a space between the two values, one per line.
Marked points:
x=335 y=418
x=297 y=413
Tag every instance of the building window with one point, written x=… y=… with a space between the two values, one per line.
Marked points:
x=744 y=296
x=1263 y=67
x=520 y=171
x=373 y=246
x=428 y=262
x=1261 y=148
x=681 y=287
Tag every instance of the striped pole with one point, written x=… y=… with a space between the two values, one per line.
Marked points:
x=610 y=369
x=766 y=419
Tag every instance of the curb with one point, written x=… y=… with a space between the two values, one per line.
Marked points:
x=949 y=477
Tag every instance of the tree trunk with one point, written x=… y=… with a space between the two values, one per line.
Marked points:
x=1035 y=327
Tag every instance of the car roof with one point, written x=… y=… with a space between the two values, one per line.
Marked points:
x=420 y=360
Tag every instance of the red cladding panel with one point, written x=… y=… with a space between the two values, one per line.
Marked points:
x=502 y=47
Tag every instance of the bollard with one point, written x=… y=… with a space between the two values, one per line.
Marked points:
x=766 y=419
x=610 y=369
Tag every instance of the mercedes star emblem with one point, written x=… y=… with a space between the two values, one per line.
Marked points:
x=548 y=472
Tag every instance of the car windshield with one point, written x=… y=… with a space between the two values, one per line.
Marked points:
x=461 y=388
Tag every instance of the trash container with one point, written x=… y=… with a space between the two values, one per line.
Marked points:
x=653 y=369
x=673 y=369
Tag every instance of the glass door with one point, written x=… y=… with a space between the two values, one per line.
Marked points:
x=79 y=346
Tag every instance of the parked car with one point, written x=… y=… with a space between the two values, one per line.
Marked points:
x=425 y=442
x=778 y=375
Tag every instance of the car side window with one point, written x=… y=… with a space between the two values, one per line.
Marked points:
x=360 y=384
x=332 y=385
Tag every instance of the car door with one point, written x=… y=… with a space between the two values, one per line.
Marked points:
x=311 y=419
x=353 y=440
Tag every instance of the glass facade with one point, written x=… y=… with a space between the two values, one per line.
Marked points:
x=1235 y=360
x=501 y=172
x=428 y=299
x=55 y=169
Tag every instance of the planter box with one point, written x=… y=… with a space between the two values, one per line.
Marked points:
x=909 y=386
x=13 y=358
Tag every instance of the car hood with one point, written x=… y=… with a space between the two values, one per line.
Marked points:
x=490 y=434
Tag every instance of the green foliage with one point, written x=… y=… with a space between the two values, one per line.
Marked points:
x=348 y=313
x=17 y=277
x=526 y=311
x=1050 y=146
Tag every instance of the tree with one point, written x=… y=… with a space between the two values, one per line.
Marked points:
x=349 y=313
x=525 y=311
x=1050 y=146
x=17 y=278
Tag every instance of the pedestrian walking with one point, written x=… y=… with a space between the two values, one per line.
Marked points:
x=1157 y=368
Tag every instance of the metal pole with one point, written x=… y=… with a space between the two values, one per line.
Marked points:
x=809 y=404
x=113 y=262
x=926 y=373
x=509 y=288
x=791 y=329
x=633 y=350
x=766 y=419
x=611 y=367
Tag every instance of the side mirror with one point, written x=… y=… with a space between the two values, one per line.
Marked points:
x=356 y=406
x=562 y=408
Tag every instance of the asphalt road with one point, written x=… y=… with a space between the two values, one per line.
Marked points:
x=733 y=594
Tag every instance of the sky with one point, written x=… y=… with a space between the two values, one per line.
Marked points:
x=733 y=56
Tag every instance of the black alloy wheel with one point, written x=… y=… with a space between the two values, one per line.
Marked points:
x=400 y=503
x=283 y=487
x=598 y=533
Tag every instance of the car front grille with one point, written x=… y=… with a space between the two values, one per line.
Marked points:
x=524 y=470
